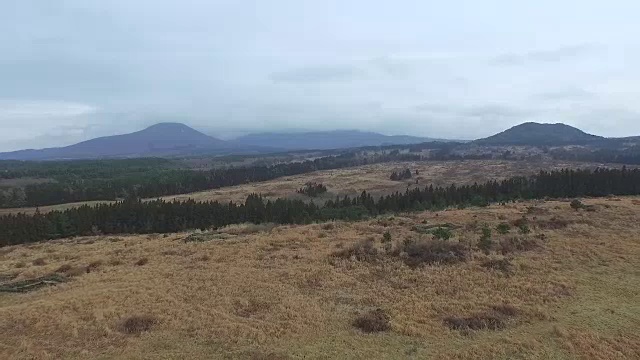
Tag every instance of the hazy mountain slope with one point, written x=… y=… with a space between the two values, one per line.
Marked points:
x=163 y=139
x=321 y=140
x=541 y=134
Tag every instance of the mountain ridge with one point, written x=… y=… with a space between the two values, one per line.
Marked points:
x=163 y=139
x=541 y=134
x=326 y=140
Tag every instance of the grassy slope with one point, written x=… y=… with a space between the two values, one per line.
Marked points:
x=280 y=294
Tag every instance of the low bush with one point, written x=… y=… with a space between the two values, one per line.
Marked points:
x=373 y=321
x=481 y=321
x=137 y=324
x=485 y=243
x=517 y=244
x=39 y=262
x=503 y=265
x=503 y=228
x=361 y=251
x=442 y=233
x=433 y=252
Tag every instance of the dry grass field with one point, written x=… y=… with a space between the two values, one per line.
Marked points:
x=373 y=178
x=569 y=289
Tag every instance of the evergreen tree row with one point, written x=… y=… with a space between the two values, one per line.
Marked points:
x=142 y=180
x=135 y=216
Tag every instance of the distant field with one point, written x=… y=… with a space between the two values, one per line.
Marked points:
x=261 y=292
x=372 y=178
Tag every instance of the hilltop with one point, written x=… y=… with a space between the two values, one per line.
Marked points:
x=536 y=134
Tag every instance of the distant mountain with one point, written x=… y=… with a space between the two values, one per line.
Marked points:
x=324 y=140
x=536 y=134
x=165 y=139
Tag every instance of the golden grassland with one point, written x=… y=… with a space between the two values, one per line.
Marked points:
x=372 y=178
x=267 y=292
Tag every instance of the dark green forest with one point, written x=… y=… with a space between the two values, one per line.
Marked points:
x=135 y=216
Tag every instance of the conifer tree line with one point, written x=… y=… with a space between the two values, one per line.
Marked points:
x=142 y=180
x=135 y=216
x=400 y=175
x=312 y=189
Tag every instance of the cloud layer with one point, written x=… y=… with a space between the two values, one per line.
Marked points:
x=463 y=69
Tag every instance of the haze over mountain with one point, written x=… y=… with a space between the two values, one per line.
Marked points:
x=175 y=139
x=321 y=140
x=536 y=134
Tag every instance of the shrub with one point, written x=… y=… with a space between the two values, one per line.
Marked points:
x=555 y=223
x=506 y=309
x=503 y=265
x=481 y=321
x=503 y=228
x=137 y=324
x=442 y=233
x=328 y=226
x=516 y=244
x=524 y=229
x=386 y=237
x=576 y=204
x=94 y=266
x=312 y=189
x=433 y=252
x=485 y=243
x=65 y=268
x=373 y=321
x=361 y=251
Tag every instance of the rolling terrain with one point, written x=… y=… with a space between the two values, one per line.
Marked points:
x=309 y=291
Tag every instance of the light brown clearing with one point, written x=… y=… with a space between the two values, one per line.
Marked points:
x=259 y=292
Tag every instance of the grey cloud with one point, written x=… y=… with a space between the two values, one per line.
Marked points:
x=566 y=94
x=545 y=56
x=318 y=74
x=488 y=111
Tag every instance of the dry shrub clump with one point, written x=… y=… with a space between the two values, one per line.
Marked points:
x=503 y=265
x=361 y=251
x=434 y=252
x=94 y=265
x=373 y=321
x=137 y=324
x=495 y=319
x=555 y=223
x=39 y=262
x=518 y=244
x=71 y=271
x=63 y=269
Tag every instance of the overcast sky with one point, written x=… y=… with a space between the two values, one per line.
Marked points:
x=76 y=69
